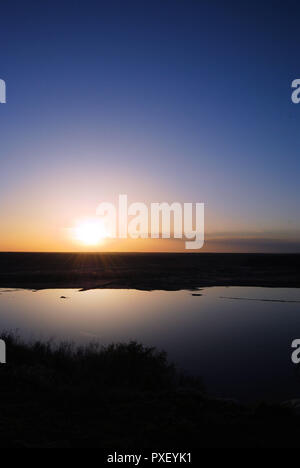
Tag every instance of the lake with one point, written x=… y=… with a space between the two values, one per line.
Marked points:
x=238 y=339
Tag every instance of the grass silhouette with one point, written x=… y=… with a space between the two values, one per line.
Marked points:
x=122 y=396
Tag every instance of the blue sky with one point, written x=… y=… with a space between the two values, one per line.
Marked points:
x=162 y=100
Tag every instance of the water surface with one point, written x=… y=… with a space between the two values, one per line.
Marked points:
x=237 y=338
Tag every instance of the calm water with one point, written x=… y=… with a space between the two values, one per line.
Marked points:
x=238 y=339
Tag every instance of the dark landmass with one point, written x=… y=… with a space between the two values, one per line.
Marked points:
x=147 y=271
x=124 y=396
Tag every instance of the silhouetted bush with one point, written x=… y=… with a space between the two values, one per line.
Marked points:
x=122 y=396
x=132 y=366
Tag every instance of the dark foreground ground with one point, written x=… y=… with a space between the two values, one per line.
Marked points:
x=147 y=271
x=124 y=397
x=127 y=396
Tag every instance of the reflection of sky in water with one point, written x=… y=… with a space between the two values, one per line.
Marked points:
x=241 y=347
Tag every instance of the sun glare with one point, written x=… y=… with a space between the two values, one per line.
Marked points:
x=90 y=232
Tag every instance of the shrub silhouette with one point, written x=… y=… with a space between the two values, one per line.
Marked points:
x=120 y=365
x=122 y=396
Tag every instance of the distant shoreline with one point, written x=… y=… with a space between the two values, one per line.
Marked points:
x=147 y=271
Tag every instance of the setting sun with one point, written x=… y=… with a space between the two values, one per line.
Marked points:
x=90 y=232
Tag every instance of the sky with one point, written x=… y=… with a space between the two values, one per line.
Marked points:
x=162 y=100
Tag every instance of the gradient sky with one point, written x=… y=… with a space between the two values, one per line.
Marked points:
x=166 y=100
